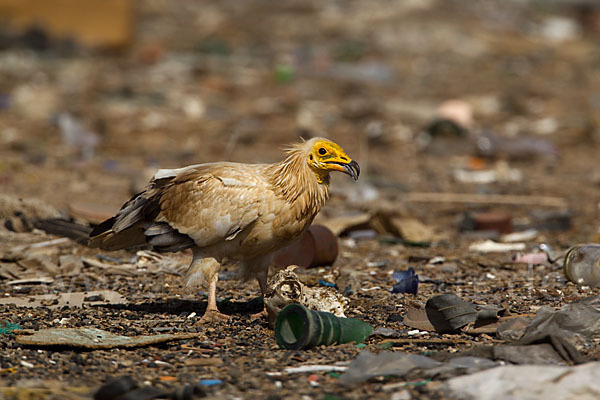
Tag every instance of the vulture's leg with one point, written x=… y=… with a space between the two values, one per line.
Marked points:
x=212 y=313
x=261 y=277
x=206 y=270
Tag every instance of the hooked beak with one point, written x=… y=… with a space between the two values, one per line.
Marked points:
x=352 y=168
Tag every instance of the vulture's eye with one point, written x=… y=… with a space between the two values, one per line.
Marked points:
x=322 y=151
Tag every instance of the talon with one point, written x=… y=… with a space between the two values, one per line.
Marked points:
x=259 y=315
x=214 y=316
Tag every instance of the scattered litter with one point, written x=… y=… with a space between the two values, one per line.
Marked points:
x=151 y=261
x=126 y=269
x=511 y=330
x=385 y=332
x=286 y=288
x=210 y=382
x=497 y=221
x=346 y=223
x=368 y=365
x=125 y=387
x=522 y=236
x=442 y=133
x=11 y=205
x=552 y=220
x=532 y=259
x=362 y=72
x=489 y=246
x=91 y=338
x=53 y=242
x=376 y=264
x=31 y=281
x=8 y=328
x=76 y=136
x=70 y=264
x=300 y=328
x=579 y=319
x=557 y=29
x=402 y=394
x=407 y=281
x=528 y=382
x=315 y=368
x=72 y=299
x=370 y=288
x=213 y=361
x=518 y=148
x=581 y=265
x=412 y=230
x=540 y=354
x=553 y=257
x=363 y=234
x=284 y=73
x=505 y=174
x=458 y=111
x=449 y=313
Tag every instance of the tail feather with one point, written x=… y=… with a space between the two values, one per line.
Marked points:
x=126 y=229
x=129 y=238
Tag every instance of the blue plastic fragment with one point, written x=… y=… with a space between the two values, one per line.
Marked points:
x=333 y=285
x=407 y=281
x=110 y=165
x=4 y=101
x=210 y=382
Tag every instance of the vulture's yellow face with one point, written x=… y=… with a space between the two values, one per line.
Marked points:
x=326 y=156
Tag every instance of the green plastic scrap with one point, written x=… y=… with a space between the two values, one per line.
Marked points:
x=284 y=73
x=7 y=328
x=385 y=346
x=419 y=383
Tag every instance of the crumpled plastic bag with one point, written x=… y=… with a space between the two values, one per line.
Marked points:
x=578 y=318
x=368 y=365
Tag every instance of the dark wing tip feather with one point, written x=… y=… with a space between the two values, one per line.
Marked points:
x=103 y=227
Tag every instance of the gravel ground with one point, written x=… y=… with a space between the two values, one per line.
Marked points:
x=206 y=82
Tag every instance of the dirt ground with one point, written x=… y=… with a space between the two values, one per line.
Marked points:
x=237 y=81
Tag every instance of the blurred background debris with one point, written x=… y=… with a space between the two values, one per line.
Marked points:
x=476 y=125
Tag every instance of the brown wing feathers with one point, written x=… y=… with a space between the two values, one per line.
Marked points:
x=134 y=225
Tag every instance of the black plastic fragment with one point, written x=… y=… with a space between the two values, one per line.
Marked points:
x=115 y=388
